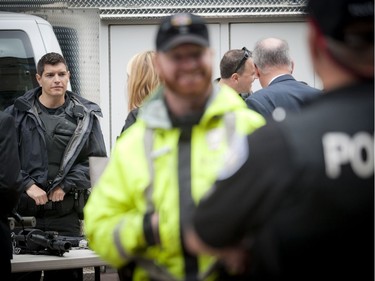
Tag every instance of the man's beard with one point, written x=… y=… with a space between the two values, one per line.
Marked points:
x=188 y=92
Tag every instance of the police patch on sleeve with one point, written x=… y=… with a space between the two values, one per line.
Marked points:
x=235 y=157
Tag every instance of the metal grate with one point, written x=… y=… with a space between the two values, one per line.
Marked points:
x=143 y=9
x=150 y=3
x=207 y=12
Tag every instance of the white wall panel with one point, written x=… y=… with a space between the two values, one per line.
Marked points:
x=125 y=42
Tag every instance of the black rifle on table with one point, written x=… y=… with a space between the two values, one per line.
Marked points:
x=38 y=242
x=35 y=241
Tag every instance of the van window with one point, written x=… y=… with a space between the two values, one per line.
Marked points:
x=17 y=66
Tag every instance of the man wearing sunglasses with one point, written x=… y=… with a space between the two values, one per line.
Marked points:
x=237 y=70
x=274 y=68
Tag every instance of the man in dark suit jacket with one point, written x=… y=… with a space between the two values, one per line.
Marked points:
x=274 y=68
x=9 y=171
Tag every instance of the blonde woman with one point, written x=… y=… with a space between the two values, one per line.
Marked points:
x=142 y=80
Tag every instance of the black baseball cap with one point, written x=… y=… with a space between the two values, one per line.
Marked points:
x=179 y=29
x=334 y=18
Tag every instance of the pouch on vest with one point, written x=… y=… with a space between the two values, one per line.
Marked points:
x=80 y=199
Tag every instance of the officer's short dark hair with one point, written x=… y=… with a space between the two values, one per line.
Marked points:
x=52 y=59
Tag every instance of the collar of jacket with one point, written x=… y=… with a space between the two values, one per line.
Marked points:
x=281 y=78
x=26 y=102
x=223 y=99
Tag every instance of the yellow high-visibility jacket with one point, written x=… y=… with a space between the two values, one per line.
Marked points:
x=147 y=170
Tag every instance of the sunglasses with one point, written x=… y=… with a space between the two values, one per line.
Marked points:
x=246 y=55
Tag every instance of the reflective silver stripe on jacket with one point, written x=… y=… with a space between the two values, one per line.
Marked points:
x=156 y=271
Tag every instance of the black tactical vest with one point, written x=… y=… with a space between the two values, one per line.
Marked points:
x=59 y=128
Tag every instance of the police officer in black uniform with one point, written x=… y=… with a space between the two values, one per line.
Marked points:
x=296 y=201
x=58 y=131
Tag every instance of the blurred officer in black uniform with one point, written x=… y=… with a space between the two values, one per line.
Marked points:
x=9 y=188
x=296 y=199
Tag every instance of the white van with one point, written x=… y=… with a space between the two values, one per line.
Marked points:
x=24 y=39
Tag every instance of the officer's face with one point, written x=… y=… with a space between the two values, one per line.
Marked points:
x=186 y=70
x=54 y=80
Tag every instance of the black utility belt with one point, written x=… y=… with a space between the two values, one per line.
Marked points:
x=74 y=201
x=77 y=192
x=50 y=205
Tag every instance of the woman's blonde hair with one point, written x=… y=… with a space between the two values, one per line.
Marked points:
x=142 y=78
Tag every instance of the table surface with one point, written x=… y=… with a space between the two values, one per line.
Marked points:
x=73 y=259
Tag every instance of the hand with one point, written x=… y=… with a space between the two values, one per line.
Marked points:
x=38 y=194
x=236 y=259
x=195 y=245
x=155 y=227
x=57 y=194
